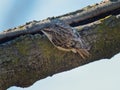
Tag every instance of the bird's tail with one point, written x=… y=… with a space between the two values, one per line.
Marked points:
x=83 y=53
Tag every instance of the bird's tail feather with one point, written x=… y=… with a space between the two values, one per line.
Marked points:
x=83 y=53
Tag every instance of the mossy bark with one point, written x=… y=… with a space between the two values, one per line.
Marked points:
x=29 y=58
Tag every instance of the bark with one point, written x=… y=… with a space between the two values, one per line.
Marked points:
x=26 y=55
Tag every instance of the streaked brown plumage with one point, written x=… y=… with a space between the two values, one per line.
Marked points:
x=65 y=38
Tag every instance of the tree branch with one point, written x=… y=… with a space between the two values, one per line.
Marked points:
x=26 y=55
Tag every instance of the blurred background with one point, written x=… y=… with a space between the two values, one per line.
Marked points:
x=100 y=75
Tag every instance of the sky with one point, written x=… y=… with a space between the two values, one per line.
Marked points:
x=99 y=75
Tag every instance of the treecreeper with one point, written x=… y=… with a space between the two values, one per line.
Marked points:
x=66 y=38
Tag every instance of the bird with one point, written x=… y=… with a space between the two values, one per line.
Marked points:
x=66 y=38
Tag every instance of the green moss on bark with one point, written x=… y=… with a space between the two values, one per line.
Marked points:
x=108 y=41
x=29 y=58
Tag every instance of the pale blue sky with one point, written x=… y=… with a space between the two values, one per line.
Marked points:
x=100 y=75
